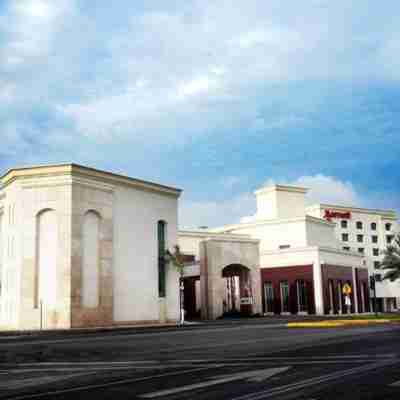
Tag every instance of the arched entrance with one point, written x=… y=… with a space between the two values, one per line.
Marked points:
x=238 y=297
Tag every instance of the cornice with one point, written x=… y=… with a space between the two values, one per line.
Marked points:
x=76 y=170
x=205 y=234
x=312 y=248
x=389 y=214
x=281 y=188
x=244 y=225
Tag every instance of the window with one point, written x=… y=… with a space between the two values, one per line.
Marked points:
x=90 y=259
x=301 y=296
x=376 y=264
x=375 y=252
x=47 y=256
x=343 y=223
x=346 y=248
x=373 y=226
x=389 y=239
x=360 y=238
x=161 y=225
x=284 y=285
x=269 y=297
x=378 y=278
x=374 y=239
x=361 y=250
x=359 y=225
x=345 y=237
x=388 y=226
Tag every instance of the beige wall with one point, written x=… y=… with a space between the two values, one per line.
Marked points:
x=215 y=255
x=127 y=261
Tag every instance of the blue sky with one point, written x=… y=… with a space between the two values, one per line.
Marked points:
x=217 y=98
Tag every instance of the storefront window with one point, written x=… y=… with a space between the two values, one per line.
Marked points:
x=301 y=296
x=284 y=296
x=269 y=297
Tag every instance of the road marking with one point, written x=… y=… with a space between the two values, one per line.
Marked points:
x=252 y=376
x=395 y=384
x=313 y=381
x=107 y=384
x=26 y=382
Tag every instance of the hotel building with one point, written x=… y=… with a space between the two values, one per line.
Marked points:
x=81 y=247
x=306 y=256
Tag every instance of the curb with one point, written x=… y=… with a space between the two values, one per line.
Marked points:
x=338 y=323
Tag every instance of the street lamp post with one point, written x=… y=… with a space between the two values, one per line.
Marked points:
x=181 y=302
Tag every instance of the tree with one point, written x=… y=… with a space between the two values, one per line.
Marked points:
x=177 y=260
x=391 y=261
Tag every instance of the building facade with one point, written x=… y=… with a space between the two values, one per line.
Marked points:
x=304 y=264
x=82 y=247
x=367 y=232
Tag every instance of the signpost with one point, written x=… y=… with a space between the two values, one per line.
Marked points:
x=346 y=290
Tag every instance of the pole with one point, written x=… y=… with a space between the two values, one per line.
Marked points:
x=41 y=314
x=374 y=294
x=181 y=302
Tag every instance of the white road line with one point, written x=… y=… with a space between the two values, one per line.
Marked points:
x=253 y=376
x=395 y=384
x=121 y=368
x=313 y=381
x=290 y=359
x=26 y=382
x=107 y=384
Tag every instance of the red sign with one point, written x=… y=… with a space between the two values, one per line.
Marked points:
x=329 y=214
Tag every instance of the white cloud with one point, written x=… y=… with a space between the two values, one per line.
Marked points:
x=34 y=8
x=172 y=72
x=241 y=207
x=325 y=189
x=193 y=214
x=196 y=86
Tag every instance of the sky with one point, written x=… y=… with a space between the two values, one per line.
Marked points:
x=218 y=98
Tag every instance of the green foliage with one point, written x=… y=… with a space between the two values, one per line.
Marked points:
x=176 y=258
x=391 y=261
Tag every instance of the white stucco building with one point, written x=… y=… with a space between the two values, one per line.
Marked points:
x=83 y=247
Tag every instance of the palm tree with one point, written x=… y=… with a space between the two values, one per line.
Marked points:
x=177 y=260
x=391 y=261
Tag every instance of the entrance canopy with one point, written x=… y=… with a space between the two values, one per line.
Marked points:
x=229 y=277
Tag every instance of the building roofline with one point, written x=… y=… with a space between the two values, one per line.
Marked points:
x=281 y=188
x=355 y=209
x=333 y=250
x=272 y=222
x=81 y=170
x=207 y=234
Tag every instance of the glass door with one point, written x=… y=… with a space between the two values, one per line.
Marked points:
x=284 y=286
x=269 y=297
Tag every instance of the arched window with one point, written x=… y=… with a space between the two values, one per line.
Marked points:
x=161 y=236
x=90 y=259
x=47 y=250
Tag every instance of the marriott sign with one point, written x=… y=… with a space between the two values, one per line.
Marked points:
x=329 y=215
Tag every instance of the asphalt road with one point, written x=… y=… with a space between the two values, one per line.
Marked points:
x=237 y=362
